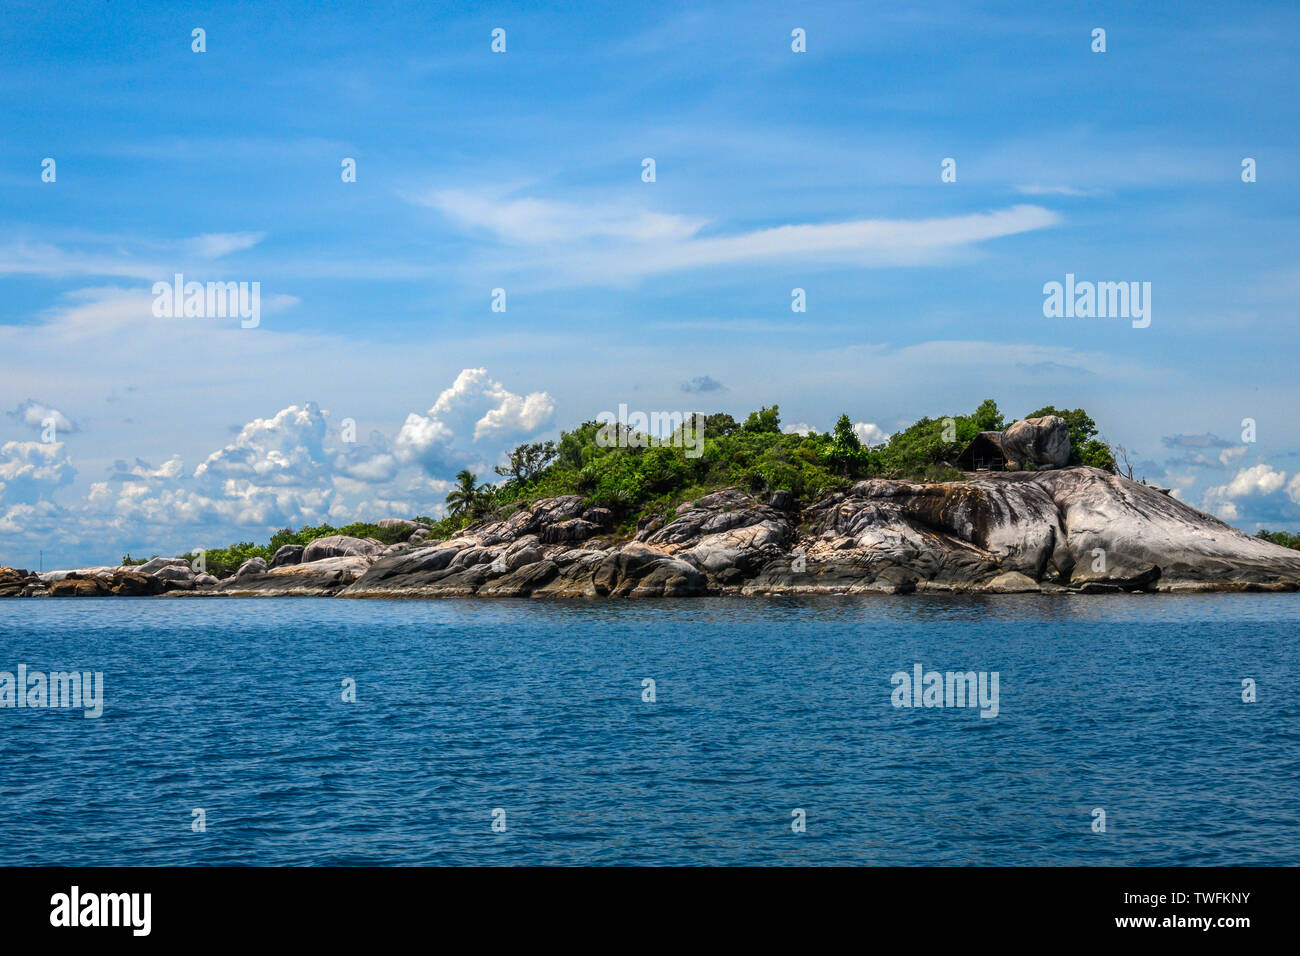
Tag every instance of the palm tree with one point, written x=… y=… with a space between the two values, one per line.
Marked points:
x=465 y=494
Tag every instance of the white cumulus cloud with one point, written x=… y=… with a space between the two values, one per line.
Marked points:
x=1259 y=479
x=475 y=408
x=869 y=433
x=283 y=470
x=30 y=470
x=284 y=449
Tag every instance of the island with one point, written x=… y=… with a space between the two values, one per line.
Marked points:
x=956 y=504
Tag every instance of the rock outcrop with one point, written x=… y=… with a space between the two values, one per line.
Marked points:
x=340 y=546
x=320 y=578
x=157 y=565
x=287 y=554
x=1039 y=442
x=1077 y=529
x=1003 y=532
x=251 y=567
x=19 y=583
x=123 y=582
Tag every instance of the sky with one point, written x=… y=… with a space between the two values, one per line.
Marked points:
x=378 y=367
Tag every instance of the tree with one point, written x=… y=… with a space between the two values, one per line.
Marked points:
x=575 y=446
x=1096 y=454
x=527 y=462
x=282 y=537
x=466 y=495
x=720 y=425
x=844 y=435
x=765 y=421
x=845 y=451
x=987 y=418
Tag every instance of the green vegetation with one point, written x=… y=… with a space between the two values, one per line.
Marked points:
x=846 y=454
x=526 y=462
x=465 y=499
x=1284 y=538
x=646 y=476
x=756 y=455
x=920 y=451
x=631 y=481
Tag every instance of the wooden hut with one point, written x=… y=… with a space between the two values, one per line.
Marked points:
x=984 y=453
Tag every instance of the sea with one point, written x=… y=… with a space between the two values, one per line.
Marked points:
x=1128 y=730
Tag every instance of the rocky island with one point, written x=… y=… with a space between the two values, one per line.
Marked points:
x=1068 y=529
x=1000 y=529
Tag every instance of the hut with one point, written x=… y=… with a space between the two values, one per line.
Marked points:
x=984 y=453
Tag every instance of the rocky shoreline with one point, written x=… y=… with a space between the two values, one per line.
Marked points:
x=1064 y=530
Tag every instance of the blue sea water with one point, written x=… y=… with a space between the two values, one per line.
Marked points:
x=1131 y=704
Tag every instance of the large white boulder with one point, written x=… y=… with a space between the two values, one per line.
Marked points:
x=341 y=546
x=1043 y=442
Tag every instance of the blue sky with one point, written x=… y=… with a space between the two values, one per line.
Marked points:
x=522 y=170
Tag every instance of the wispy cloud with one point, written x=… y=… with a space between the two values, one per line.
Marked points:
x=44 y=259
x=213 y=245
x=537 y=221
x=114 y=257
x=1072 y=191
x=593 y=243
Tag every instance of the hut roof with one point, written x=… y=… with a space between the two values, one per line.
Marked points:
x=983 y=451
